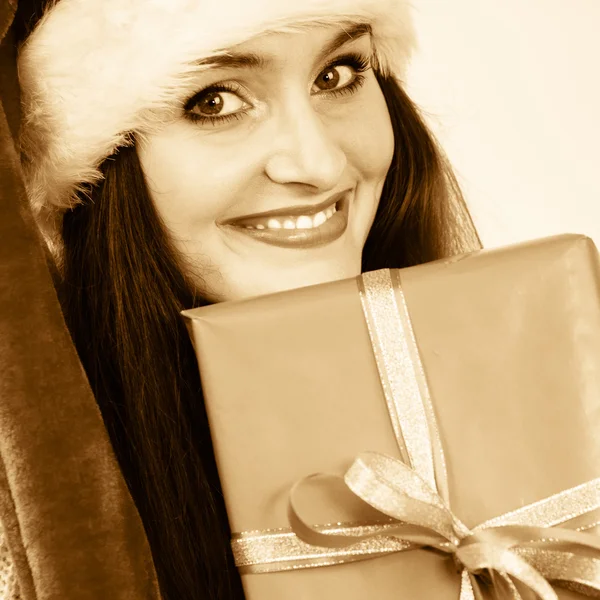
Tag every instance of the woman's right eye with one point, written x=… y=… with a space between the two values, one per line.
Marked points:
x=216 y=104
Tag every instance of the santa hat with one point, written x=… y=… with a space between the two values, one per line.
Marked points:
x=93 y=72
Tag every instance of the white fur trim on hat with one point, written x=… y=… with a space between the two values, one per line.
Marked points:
x=94 y=71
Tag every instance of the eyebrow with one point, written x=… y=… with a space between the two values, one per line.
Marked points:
x=233 y=60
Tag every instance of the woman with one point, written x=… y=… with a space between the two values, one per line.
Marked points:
x=178 y=153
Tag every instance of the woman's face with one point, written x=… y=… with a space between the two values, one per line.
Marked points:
x=297 y=126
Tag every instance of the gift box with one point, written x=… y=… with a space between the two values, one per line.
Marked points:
x=502 y=350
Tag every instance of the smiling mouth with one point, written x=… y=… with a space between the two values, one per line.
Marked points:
x=299 y=230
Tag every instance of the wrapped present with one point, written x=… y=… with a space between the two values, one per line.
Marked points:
x=454 y=408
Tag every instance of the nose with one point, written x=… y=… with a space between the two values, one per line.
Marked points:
x=304 y=150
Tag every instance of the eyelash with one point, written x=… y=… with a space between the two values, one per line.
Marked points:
x=357 y=62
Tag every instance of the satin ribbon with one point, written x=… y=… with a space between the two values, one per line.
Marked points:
x=522 y=546
x=530 y=554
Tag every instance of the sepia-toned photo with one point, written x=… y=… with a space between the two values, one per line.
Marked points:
x=299 y=300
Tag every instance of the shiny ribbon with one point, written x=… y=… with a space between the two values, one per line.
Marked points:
x=521 y=548
x=532 y=553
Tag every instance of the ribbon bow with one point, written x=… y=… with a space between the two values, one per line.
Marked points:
x=529 y=554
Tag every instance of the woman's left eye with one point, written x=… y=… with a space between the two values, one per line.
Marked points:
x=343 y=76
x=334 y=77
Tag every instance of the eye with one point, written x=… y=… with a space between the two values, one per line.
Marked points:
x=343 y=76
x=334 y=77
x=215 y=102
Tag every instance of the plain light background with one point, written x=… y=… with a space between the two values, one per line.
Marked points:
x=511 y=89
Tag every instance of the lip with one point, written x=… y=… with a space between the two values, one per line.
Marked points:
x=291 y=211
x=325 y=234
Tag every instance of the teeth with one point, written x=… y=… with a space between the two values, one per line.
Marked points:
x=302 y=222
x=319 y=218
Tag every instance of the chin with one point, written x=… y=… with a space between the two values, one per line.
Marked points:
x=259 y=279
x=316 y=277
x=232 y=291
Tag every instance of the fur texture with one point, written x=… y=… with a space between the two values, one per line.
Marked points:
x=93 y=71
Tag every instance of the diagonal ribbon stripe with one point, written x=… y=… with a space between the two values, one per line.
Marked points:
x=581 y=499
x=524 y=546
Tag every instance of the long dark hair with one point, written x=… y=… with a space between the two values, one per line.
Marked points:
x=122 y=287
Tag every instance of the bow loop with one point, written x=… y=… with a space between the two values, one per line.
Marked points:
x=397 y=491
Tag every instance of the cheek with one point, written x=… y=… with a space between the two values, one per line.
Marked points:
x=190 y=184
x=369 y=142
